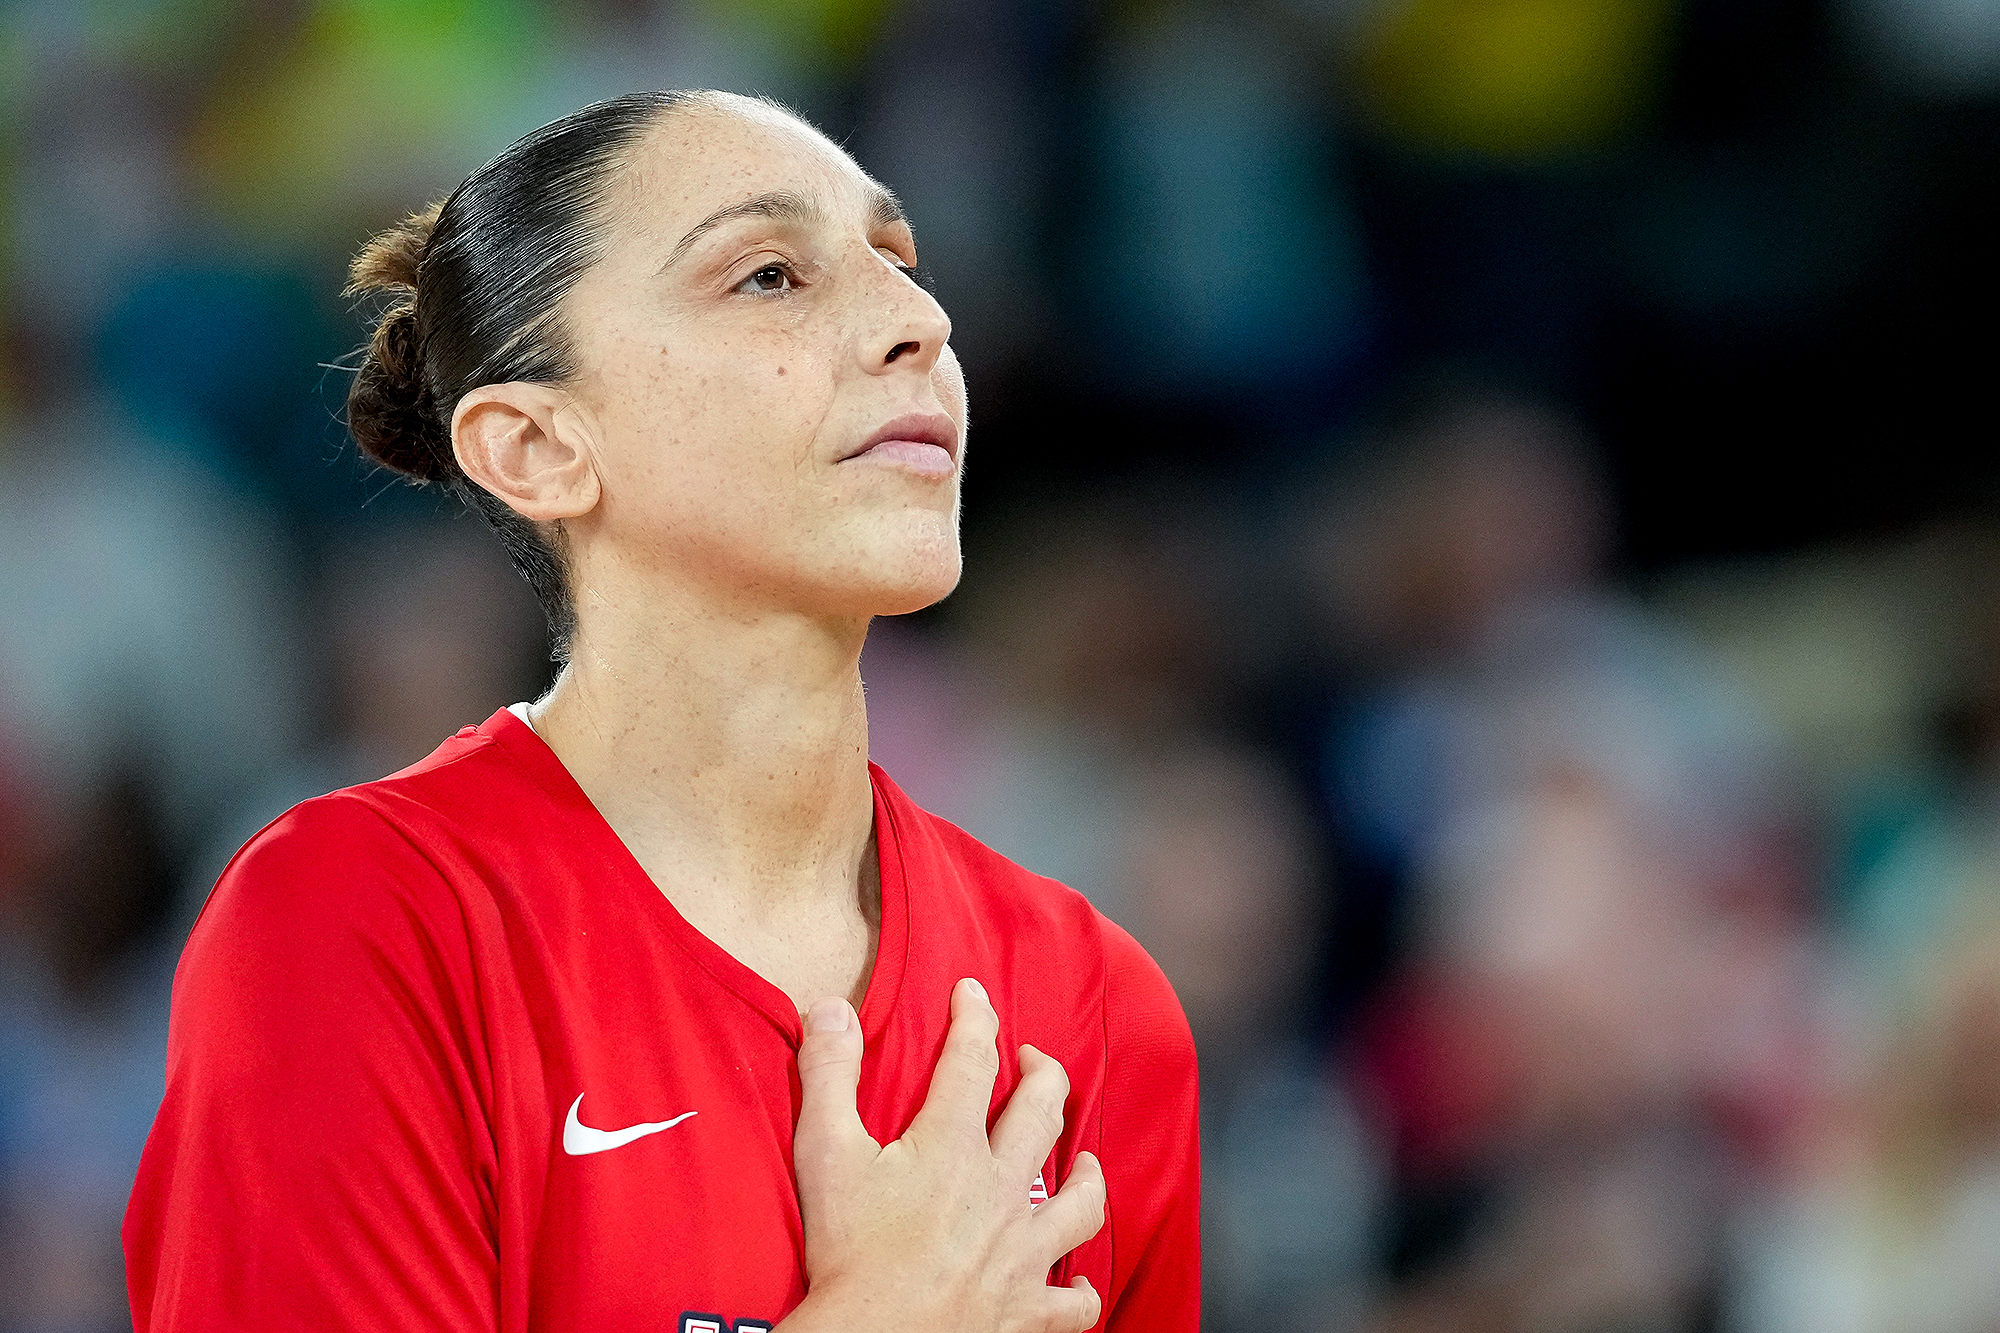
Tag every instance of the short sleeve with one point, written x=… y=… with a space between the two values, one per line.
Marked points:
x=1152 y=1147
x=321 y=1158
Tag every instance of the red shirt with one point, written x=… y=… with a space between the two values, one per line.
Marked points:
x=397 y=994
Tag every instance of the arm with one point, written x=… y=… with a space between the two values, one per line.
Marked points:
x=1152 y=1147
x=320 y=1159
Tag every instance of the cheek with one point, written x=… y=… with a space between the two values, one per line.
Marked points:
x=948 y=381
x=700 y=431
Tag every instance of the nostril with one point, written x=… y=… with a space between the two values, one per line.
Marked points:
x=898 y=350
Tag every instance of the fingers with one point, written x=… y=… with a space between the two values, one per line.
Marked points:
x=1033 y=1119
x=829 y=1072
x=962 y=1084
x=1075 y=1212
x=1071 y=1309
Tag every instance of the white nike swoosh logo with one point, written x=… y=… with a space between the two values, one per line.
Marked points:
x=580 y=1140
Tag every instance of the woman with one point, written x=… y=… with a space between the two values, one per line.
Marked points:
x=514 y=1039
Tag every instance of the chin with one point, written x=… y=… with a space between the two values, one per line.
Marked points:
x=918 y=584
x=904 y=601
x=888 y=565
x=906 y=570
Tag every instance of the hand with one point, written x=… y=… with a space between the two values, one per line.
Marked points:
x=934 y=1231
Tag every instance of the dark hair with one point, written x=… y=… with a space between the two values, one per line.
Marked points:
x=476 y=281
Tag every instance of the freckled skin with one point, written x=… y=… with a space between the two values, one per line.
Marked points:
x=726 y=549
x=709 y=465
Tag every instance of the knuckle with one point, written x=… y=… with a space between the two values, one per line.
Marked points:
x=1073 y=1315
x=811 y=1065
x=1047 y=1081
x=813 y=1162
x=979 y=1057
x=1047 y=1117
x=972 y=1030
x=1088 y=1186
x=826 y=1055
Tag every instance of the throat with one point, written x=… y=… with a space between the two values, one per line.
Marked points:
x=809 y=944
x=730 y=754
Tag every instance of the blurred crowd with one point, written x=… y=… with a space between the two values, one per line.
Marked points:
x=1478 y=555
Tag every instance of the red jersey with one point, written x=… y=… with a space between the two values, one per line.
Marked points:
x=443 y=1057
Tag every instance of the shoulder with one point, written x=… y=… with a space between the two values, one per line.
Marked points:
x=466 y=790
x=347 y=870
x=1142 y=1015
x=330 y=836
x=329 y=885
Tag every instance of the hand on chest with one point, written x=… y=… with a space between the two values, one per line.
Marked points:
x=669 y=1173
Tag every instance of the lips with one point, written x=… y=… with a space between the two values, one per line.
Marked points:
x=924 y=441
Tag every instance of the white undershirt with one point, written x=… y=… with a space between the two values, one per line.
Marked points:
x=521 y=711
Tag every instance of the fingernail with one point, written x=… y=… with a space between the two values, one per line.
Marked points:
x=828 y=1015
x=977 y=989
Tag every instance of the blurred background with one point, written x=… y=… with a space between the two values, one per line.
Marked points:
x=1483 y=552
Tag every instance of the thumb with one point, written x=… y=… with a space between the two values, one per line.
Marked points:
x=829 y=1071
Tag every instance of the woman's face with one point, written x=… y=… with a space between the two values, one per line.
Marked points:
x=769 y=399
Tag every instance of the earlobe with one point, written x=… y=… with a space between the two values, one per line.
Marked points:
x=517 y=441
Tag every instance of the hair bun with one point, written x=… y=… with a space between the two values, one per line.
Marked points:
x=390 y=409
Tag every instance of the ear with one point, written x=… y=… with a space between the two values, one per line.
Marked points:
x=521 y=442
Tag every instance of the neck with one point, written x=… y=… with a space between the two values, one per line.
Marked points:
x=729 y=750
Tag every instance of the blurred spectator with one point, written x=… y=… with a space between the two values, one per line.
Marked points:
x=1871 y=660
x=1219 y=879
x=1473 y=503
x=1603 y=962
x=145 y=617
x=1212 y=189
x=1890 y=1220
x=423 y=629
x=989 y=81
x=429 y=630
x=94 y=185
x=143 y=682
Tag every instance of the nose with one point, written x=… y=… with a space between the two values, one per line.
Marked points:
x=908 y=328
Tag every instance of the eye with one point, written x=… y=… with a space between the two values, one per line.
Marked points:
x=770 y=278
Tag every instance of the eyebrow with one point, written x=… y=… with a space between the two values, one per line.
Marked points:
x=786 y=206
